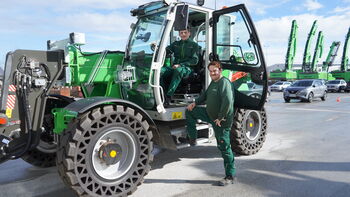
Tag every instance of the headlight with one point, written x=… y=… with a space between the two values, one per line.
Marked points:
x=126 y=75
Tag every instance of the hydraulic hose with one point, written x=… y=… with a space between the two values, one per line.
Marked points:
x=28 y=126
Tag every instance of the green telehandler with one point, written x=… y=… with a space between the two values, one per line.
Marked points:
x=307 y=58
x=288 y=74
x=344 y=71
x=102 y=143
x=333 y=51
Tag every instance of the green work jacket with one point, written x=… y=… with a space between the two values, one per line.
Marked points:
x=185 y=52
x=219 y=99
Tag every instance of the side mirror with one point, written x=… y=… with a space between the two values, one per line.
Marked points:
x=181 y=18
x=200 y=2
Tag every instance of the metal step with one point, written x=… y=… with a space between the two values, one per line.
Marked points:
x=200 y=141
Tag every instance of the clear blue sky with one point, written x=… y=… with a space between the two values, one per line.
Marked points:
x=29 y=24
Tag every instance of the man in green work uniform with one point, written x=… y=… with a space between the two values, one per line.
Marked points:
x=185 y=57
x=219 y=113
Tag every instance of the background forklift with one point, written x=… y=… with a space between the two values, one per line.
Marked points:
x=102 y=143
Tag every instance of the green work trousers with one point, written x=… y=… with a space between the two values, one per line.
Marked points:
x=175 y=75
x=222 y=136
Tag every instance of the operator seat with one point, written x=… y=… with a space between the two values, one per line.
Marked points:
x=193 y=83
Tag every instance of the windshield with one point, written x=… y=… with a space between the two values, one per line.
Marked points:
x=278 y=83
x=147 y=32
x=333 y=82
x=302 y=83
x=145 y=36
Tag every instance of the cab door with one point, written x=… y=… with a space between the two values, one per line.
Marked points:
x=236 y=45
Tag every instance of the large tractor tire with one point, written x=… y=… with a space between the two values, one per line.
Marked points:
x=105 y=152
x=248 y=131
x=44 y=155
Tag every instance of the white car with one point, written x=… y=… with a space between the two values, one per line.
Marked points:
x=280 y=86
x=336 y=85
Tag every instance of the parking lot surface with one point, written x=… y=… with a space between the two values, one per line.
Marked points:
x=306 y=153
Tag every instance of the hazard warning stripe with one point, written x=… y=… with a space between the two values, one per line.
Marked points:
x=11 y=100
x=12 y=88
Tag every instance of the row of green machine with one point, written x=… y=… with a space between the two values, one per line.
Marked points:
x=309 y=68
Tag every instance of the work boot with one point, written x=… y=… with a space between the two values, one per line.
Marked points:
x=228 y=180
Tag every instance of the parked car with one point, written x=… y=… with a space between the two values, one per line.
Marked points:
x=306 y=90
x=336 y=85
x=254 y=90
x=280 y=85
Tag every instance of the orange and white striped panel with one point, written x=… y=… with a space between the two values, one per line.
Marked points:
x=11 y=99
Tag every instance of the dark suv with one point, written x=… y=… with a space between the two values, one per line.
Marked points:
x=306 y=89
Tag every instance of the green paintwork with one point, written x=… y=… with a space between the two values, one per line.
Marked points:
x=288 y=73
x=280 y=75
x=333 y=51
x=292 y=46
x=341 y=75
x=227 y=73
x=316 y=75
x=318 y=52
x=82 y=65
x=307 y=52
x=344 y=72
x=312 y=72
x=241 y=83
x=345 y=58
x=61 y=118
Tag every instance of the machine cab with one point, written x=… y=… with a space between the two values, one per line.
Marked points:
x=226 y=35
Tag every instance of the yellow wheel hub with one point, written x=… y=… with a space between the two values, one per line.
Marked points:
x=113 y=153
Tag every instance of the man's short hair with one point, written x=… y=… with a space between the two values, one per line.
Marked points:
x=216 y=64
x=187 y=28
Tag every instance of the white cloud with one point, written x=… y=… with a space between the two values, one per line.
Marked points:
x=312 y=5
x=256 y=6
x=341 y=9
x=102 y=4
x=274 y=34
x=96 y=22
x=71 y=4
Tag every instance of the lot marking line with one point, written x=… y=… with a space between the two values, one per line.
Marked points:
x=320 y=110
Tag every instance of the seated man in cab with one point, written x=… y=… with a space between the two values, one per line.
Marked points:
x=185 y=52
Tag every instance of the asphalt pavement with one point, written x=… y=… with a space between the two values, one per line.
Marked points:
x=305 y=154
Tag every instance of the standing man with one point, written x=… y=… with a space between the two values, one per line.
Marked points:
x=185 y=57
x=219 y=113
